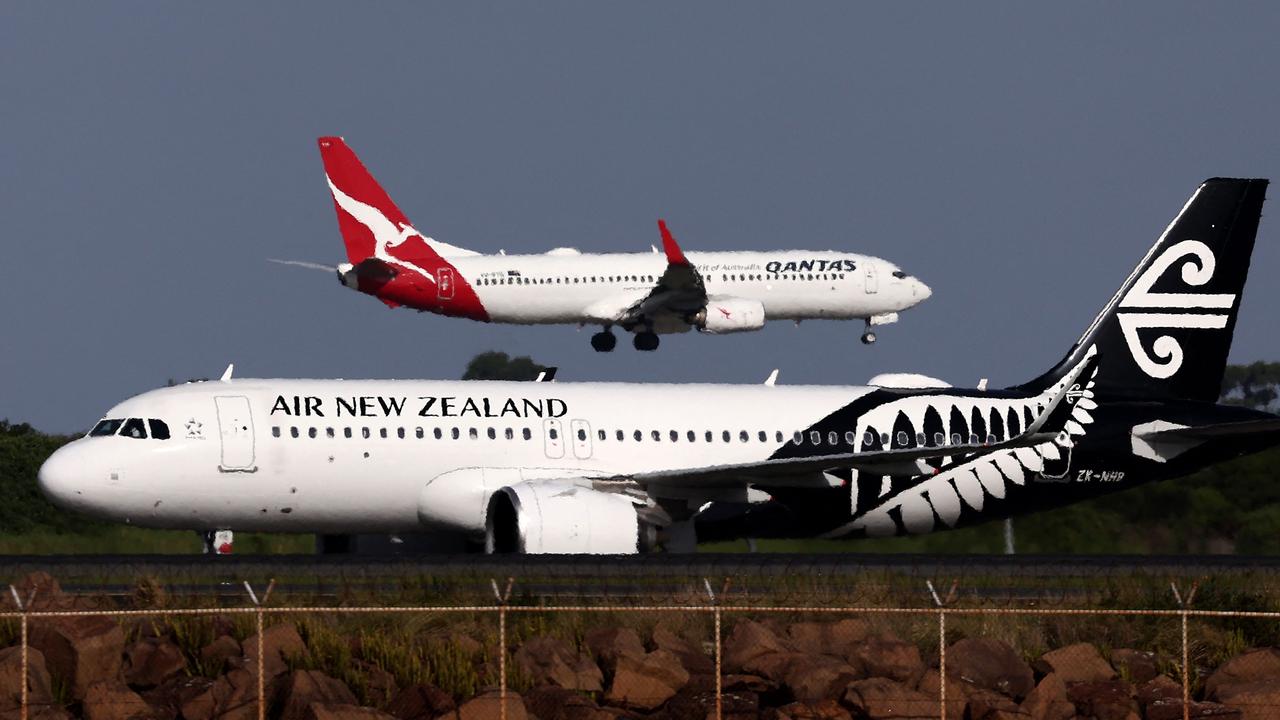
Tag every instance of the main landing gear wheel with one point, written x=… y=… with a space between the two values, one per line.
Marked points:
x=868 y=337
x=604 y=341
x=646 y=341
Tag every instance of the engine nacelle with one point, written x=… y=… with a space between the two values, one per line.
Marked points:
x=562 y=517
x=730 y=315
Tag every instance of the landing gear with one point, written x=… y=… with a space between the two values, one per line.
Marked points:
x=604 y=341
x=646 y=341
x=868 y=337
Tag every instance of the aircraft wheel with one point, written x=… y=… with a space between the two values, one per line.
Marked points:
x=646 y=341
x=604 y=341
x=868 y=337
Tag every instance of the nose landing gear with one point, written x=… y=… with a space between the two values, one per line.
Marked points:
x=868 y=337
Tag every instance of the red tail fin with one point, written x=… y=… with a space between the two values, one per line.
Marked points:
x=365 y=211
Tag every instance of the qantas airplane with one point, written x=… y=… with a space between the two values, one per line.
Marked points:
x=643 y=293
x=548 y=467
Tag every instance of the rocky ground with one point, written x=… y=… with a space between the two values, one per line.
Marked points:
x=107 y=669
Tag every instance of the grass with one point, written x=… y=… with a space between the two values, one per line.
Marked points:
x=126 y=540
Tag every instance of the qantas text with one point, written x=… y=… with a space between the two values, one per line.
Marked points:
x=777 y=266
x=422 y=406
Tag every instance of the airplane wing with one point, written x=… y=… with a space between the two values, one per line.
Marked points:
x=1050 y=424
x=1234 y=429
x=679 y=292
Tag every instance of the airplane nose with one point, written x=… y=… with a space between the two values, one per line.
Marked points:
x=60 y=478
x=920 y=290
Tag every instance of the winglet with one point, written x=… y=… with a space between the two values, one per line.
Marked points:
x=226 y=374
x=772 y=379
x=675 y=255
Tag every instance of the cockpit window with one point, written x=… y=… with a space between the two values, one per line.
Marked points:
x=159 y=430
x=106 y=427
x=899 y=274
x=134 y=428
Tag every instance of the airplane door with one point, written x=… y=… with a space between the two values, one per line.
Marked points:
x=444 y=281
x=581 y=431
x=553 y=438
x=872 y=282
x=235 y=426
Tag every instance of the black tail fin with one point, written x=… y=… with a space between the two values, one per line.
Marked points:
x=1167 y=331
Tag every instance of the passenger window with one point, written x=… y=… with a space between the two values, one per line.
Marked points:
x=364 y=433
x=311 y=433
x=418 y=433
x=582 y=435
x=884 y=439
x=674 y=436
x=832 y=438
x=921 y=439
x=621 y=436
x=473 y=433
x=710 y=436
x=777 y=436
x=275 y=431
x=527 y=433
x=293 y=432
x=868 y=439
x=453 y=433
x=797 y=437
x=105 y=428
x=400 y=433
x=849 y=437
x=638 y=436
x=725 y=436
x=159 y=430
x=955 y=438
x=939 y=439
x=602 y=434
x=493 y=433
x=553 y=434
x=346 y=432
x=437 y=433
x=763 y=436
x=510 y=434
x=655 y=435
x=329 y=432
x=815 y=437
x=382 y=433
x=691 y=435
x=134 y=428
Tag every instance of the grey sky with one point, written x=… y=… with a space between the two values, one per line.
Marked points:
x=1018 y=158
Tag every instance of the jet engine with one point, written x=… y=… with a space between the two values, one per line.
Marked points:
x=562 y=517
x=730 y=315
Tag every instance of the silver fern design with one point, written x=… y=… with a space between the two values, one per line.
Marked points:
x=968 y=481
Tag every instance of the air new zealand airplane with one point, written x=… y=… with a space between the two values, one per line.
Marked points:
x=628 y=467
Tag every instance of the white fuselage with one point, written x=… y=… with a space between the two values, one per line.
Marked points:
x=567 y=287
x=356 y=455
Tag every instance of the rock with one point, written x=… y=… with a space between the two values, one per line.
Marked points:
x=1258 y=700
x=421 y=702
x=282 y=644
x=889 y=658
x=1080 y=662
x=645 y=683
x=811 y=678
x=838 y=638
x=380 y=686
x=930 y=685
x=1160 y=687
x=774 y=665
x=1048 y=701
x=989 y=705
x=489 y=706
x=747 y=641
x=820 y=710
x=39 y=684
x=321 y=711
x=1171 y=709
x=1103 y=699
x=1248 y=667
x=548 y=661
x=606 y=644
x=166 y=699
x=81 y=650
x=1136 y=666
x=112 y=700
x=991 y=665
x=302 y=688
x=556 y=703
x=233 y=696
x=751 y=683
x=878 y=698
x=215 y=655
x=693 y=658
x=699 y=703
x=148 y=663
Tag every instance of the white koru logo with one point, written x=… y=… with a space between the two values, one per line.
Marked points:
x=1196 y=271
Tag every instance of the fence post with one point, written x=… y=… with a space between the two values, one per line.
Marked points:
x=719 y=677
x=942 y=644
x=1185 y=610
x=502 y=598
x=259 y=615
x=23 y=664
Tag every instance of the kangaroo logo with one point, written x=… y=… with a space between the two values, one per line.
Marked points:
x=385 y=234
x=1179 y=309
